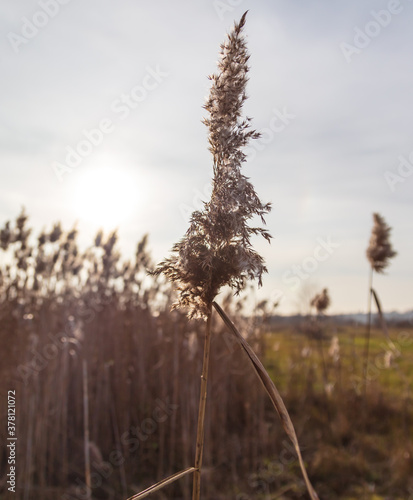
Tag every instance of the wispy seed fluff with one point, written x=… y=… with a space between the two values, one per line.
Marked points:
x=216 y=249
x=380 y=250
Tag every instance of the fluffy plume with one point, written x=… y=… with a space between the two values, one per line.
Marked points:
x=380 y=250
x=321 y=301
x=216 y=249
x=334 y=350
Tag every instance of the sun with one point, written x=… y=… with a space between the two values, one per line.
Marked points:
x=105 y=196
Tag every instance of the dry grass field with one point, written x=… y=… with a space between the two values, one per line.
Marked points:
x=63 y=310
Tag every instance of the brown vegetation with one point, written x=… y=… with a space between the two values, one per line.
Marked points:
x=60 y=306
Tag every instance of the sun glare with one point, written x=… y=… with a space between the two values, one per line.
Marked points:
x=105 y=196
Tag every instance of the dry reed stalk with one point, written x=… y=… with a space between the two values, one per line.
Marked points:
x=368 y=334
x=86 y=430
x=29 y=451
x=321 y=302
x=117 y=439
x=64 y=411
x=381 y=315
x=196 y=491
x=216 y=249
x=379 y=252
x=175 y=397
x=162 y=484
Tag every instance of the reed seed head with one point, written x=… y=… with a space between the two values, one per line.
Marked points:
x=56 y=233
x=216 y=249
x=5 y=236
x=380 y=250
x=321 y=301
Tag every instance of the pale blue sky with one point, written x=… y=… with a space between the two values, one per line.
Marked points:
x=335 y=118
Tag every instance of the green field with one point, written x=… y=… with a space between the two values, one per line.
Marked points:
x=358 y=441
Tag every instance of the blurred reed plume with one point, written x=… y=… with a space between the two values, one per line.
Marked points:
x=321 y=301
x=316 y=329
x=379 y=252
x=334 y=350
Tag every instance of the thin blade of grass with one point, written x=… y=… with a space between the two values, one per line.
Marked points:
x=162 y=483
x=273 y=394
x=382 y=320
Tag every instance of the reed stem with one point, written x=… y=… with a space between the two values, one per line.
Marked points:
x=368 y=334
x=196 y=491
x=86 y=430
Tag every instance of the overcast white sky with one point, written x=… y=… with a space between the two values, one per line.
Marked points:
x=339 y=73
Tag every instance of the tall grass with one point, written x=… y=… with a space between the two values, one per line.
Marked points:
x=59 y=307
x=142 y=359
x=379 y=252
